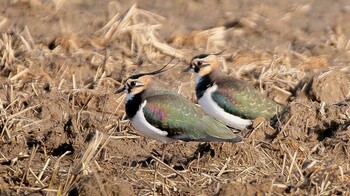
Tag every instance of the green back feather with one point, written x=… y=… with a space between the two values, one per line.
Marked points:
x=239 y=99
x=183 y=120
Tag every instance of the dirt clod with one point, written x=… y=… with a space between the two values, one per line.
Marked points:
x=331 y=86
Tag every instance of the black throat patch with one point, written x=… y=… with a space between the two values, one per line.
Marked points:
x=203 y=84
x=133 y=105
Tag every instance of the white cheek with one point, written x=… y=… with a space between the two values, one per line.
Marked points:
x=198 y=78
x=129 y=96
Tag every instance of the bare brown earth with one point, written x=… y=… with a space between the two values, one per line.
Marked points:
x=62 y=127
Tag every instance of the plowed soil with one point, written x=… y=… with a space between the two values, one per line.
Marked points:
x=64 y=131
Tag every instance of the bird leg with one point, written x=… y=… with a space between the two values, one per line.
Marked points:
x=163 y=151
x=156 y=167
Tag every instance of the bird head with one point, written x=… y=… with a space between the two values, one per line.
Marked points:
x=203 y=64
x=138 y=83
x=135 y=86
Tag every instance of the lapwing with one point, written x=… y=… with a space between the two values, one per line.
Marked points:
x=226 y=98
x=161 y=114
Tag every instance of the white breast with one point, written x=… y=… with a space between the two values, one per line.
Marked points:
x=212 y=108
x=140 y=123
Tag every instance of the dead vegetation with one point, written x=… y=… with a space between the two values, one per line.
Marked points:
x=63 y=130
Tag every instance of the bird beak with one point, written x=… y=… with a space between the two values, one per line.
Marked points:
x=186 y=69
x=122 y=89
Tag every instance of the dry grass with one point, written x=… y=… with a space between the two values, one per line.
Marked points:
x=63 y=130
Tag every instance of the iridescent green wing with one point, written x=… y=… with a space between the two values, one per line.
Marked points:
x=240 y=99
x=183 y=120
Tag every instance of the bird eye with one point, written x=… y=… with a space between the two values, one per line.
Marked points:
x=199 y=63
x=133 y=83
